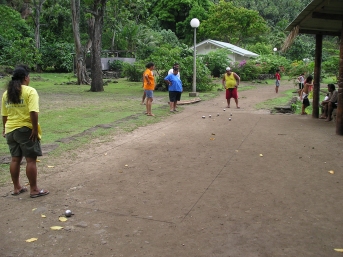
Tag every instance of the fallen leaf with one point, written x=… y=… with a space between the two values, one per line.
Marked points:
x=34 y=209
x=261 y=155
x=212 y=138
x=339 y=250
x=62 y=219
x=331 y=172
x=56 y=228
x=213 y=134
x=105 y=153
x=51 y=166
x=120 y=171
x=43 y=216
x=237 y=151
x=31 y=240
x=37 y=160
x=126 y=165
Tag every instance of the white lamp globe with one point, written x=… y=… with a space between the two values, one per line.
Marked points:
x=195 y=23
x=275 y=49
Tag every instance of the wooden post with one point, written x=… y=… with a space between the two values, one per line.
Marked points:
x=339 y=114
x=317 y=72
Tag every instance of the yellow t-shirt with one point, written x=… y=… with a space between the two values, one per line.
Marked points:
x=18 y=115
x=230 y=81
x=151 y=78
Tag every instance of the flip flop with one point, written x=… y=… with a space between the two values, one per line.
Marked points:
x=42 y=192
x=22 y=190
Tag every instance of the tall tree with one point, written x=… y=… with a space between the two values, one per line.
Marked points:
x=95 y=25
x=38 y=6
x=80 y=51
x=172 y=14
x=236 y=24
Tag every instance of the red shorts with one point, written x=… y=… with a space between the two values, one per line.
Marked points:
x=231 y=93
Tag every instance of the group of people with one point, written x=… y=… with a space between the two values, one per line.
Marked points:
x=173 y=80
x=328 y=104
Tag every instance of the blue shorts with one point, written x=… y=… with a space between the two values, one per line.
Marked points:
x=149 y=93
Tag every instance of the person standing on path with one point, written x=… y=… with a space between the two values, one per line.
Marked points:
x=20 y=108
x=231 y=82
x=171 y=71
x=175 y=88
x=304 y=94
x=149 y=86
x=277 y=80
x=301 y=80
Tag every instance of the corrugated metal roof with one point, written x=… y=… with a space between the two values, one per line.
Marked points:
x=320 y=17
x=232 y=48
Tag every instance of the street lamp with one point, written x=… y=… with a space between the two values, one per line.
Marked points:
x=194 y=23
x=274 y=49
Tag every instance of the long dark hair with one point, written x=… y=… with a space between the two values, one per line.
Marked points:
x=14 y=86
x=309 y=79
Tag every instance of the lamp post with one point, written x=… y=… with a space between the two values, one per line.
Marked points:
x=274 y=49
x=194 y=24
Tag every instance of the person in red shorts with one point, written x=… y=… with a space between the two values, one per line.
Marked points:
x=230 y=83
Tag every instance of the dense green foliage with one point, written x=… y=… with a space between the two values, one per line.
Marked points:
x=237 y=24
x=160 y=31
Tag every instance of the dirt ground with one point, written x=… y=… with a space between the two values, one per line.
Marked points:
x=258 y=185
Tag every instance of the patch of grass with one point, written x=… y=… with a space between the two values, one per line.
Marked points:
x=71 y=116
x=283 y=99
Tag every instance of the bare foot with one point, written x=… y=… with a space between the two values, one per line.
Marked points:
x=150 y=114
x=238 y=107
x=328 y=119
x=322 y=117
x=228 y=106
x=304 y=113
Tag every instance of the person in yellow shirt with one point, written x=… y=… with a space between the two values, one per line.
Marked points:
x=230 y=82
x=149 y=86
x=19 y=111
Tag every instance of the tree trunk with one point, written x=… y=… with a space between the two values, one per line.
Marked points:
x=80 y=52
x=96 y=33
x=339 y=114
x=38 y=5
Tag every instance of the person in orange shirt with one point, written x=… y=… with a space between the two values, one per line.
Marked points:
x=149 y=86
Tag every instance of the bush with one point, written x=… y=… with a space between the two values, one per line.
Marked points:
x=116 y=65
x=134 y=72
x=217 y=61
x=57 y=56
x=20 y=51
x=247 y=70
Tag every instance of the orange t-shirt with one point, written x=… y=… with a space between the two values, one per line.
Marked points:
x=148 y=86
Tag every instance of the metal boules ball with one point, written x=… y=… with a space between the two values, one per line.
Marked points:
x=203 y=117
x=229 y=119
x=68 y=213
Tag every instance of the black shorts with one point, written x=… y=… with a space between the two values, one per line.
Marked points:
x=301 y=85
x=334 y=105
x=306 y=102
x=174 y=96
x=20 y=144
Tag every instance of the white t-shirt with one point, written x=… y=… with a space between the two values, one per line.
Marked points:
x=301 y=79
x=171 y=71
